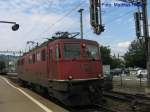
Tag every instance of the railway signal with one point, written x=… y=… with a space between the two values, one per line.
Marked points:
x=81 y=22
x=95 y=16
x=137 y=16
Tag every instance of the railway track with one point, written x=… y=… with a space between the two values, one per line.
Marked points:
x=92 y=108
x=128 y=97
x=136 y=101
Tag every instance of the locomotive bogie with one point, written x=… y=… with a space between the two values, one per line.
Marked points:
x=79 y=92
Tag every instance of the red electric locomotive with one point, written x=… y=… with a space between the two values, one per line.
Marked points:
x=69 y=69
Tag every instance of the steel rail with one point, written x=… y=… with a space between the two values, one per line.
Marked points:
x=128 y=97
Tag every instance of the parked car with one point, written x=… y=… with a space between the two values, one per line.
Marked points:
x=116 y=71
x=141 y=73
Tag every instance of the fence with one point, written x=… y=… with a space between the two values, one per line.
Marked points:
x=129 y=83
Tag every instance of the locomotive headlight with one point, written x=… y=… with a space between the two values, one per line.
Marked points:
x=100 y=76
x=70 y=77
x=83 y=45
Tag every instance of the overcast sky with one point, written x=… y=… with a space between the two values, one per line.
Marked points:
x=39 y=19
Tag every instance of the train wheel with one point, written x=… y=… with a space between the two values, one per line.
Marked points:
x=40 y=89
x=95 y=95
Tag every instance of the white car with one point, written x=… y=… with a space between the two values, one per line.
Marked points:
x=141 y=73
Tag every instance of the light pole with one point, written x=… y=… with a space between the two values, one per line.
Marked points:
x=81 y=22
x=15 y=26
x=147 y=39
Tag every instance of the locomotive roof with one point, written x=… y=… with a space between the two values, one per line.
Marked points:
x=75 y=40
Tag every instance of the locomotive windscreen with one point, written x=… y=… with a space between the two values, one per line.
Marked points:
x=71 y=51
x=91 y=51
x=75 y=51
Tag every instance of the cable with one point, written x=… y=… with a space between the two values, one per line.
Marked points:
x=69 y=13
x=63 y=17
x=58 y=21
x=72 y=22
x=114 y=19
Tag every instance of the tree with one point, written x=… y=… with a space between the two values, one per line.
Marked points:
x=105 y=55
x=107 y=59
x=117 y=63
x=135 y=56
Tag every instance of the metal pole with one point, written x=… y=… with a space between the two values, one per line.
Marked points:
x=81 y=22
x=121 y=81
x=8 y=64
x=147 y=40
x=15 y=26
x=140 y=80
x=8 y=22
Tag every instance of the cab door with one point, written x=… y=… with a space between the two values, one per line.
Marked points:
x=56 y=64
x=54 y=59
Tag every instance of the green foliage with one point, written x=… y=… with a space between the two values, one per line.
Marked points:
x=107 y=59
x=105 y=55
x=117 y=63
x=136 y=57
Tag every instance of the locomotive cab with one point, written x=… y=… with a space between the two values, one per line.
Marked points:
x=78 y=69
x=74 y=60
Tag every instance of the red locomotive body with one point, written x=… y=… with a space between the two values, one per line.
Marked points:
x=70 y=69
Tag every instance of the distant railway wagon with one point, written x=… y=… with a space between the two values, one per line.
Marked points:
x=69 y=69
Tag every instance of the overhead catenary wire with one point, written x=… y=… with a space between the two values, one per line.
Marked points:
x=62 y=18
x=113 y=20
x=70 y=23
x=57 y=21
x=116 y=18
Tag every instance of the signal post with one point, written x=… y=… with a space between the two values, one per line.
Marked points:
x=142 y=33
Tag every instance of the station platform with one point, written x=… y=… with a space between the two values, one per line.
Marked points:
x=16 y=99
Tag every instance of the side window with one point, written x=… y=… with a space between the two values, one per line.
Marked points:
x=99 y=52
x=51 y=55
x=30 y=59
x=58 y=55
x=38 y=56
x=43 y=54
x=33 y=58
